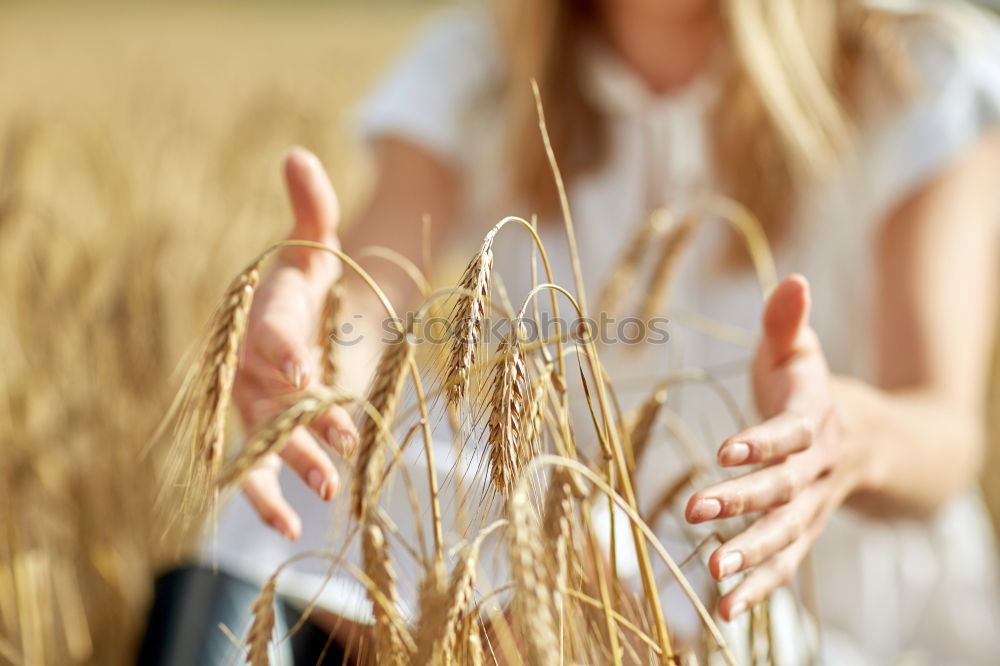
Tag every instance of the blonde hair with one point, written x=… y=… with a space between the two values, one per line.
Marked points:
x=784 y=116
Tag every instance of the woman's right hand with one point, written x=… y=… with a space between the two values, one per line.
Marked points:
x=281 y=352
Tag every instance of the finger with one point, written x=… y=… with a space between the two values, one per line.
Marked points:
x=769 y=576
x=786 y=318
x=311 y=463
x=757 y=491
x=770 y=534
x=314 y=204
x=285 y=355
x=335 y=427
x=778 y=437
x=261 y=487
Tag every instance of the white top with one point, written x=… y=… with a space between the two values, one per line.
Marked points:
x=883 y=588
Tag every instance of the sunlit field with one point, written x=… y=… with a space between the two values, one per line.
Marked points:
x=140 y=149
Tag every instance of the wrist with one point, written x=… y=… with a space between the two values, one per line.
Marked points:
x=857 y=408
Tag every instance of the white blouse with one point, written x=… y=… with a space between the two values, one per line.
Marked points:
x=882 y=589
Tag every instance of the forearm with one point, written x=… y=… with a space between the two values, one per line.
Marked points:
x=919 y=449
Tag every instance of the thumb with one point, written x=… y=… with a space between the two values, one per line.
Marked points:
x=314 y=204
x=786 y=319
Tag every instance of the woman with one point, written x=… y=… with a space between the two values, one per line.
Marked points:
x=866 y=141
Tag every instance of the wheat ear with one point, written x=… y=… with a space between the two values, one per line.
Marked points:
x=662 y=279
x=623 y=275
x=221 y=357
x=507 y=410
x=474 y=653
x=534 y=609
x=383 y=398
x=534 y=419
x=259 y=636
x=556 y=522
x=272 y=437
x=202 y=406
x=467 y=320
x=393 y=642
x=329 y=344
x=442 y=608
x=642 y=421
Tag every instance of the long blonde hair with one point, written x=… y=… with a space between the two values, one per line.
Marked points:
x=784 y=116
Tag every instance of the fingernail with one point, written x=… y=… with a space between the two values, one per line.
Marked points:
x=730 y=563
x=317 y=481
x=294 y=373
x=736 y=453
x=706 y=509
x=737 y=609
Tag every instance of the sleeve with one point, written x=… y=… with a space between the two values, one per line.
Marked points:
x=956 y=66
x=426 y=96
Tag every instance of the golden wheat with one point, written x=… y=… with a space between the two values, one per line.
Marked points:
x=329 y=344
x=467 y=320
x=507 y=411
x=392 y=639
x=534 y=606
x=259 y=636
x=383 y=397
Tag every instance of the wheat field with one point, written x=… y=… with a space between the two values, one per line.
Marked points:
x=140 y=148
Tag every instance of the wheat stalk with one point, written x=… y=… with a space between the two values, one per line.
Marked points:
x=431 y=598
x=272 y=437
x=259 y=636
x=533 y=603
x=617 y=458
x=622 y=277
x=202 y=405
x=221 y=355
x=556 y=523
x=674 y=244
x=392 y=640
x=467 y=320
x=329 y=344
x=475 y=656
x=442 y=609
x=383 y=397
x=507 y=411
x=534 y=418
x=642 y=421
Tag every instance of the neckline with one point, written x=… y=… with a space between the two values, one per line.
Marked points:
x=616 y=89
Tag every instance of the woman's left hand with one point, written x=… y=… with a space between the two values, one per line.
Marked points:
x=810 y=466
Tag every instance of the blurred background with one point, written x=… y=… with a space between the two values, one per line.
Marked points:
x=140 y=147
x=140 y=152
